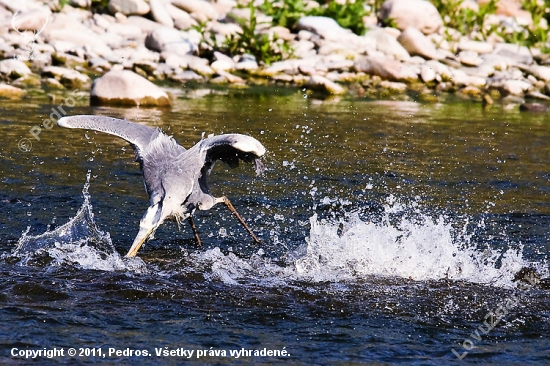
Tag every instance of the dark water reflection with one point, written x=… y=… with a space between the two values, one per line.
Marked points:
x=424 y=182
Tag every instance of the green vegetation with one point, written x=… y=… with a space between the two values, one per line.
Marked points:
x=349 y=15
x=263 y=47
x=251 y=41
x=285 y=13
x=62 y=3
x=97 y=6
x=466 y=20
x=536 y=34
x=474 y=23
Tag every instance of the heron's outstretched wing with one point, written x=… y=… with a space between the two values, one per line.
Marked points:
x=230 y=149
x=154 y=150
x=136 y=134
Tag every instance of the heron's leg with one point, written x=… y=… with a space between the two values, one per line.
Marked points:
x=194 y=228
x=225 y=200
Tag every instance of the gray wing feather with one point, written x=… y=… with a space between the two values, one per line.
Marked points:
x=135 y=133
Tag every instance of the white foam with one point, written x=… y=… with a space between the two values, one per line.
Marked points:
x=420 y=249
x=78 y=242
x=425 y=250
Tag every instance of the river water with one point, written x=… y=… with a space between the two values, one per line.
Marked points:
x=391 y=233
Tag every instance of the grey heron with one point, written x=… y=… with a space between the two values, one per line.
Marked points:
x=174 y=177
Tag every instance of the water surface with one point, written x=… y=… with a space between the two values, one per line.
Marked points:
x=391 y=230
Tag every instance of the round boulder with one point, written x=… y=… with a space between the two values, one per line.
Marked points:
x=166 y=39
x=124 y=87
x=129 y=7
x=14 y=68
x=419 y=14
x=323 y=26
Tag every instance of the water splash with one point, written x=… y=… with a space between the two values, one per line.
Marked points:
x=416 y=247
x=78 y=242
x=404 y=243
x=425 y=250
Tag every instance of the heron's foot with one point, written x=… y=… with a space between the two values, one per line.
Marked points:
x=229 y=205
x=195 y=232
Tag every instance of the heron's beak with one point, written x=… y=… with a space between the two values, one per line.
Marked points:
x=141 y=237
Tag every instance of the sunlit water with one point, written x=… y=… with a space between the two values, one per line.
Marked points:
x=391 y=231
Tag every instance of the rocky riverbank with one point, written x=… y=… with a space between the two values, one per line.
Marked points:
x=130 y=44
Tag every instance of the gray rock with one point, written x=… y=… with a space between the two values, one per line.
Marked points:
x=185 y=76
x=386 y=68
x=52 y=83
x=308 y=70
x=387 y=44
x=338 y=48
x=416 y=43
x=305 y=35
x=129 y=7
x=281 y=33
x=160 y=13
x=185 y=23
x=483 y=72
x=127 y=31
x=68 y=77
x=222 y=63
x=33 y=20
x=419 y=14
x=127 y=88
x=540 y=72
x=11 y=92
x=225 y=29
x=537 y=95
x=325 y=27
x=247 y=63
x=460 y=78
x=182 y=19
x=340 y=65
x=427 y=74
x=520 y=54
x=323 y=84
x=393 y=86
x=303 y=48
x=224 y=6
x=200 y=8
x=174 y=61
x=63 y=27
x=81 y=3
x=165 y=70
x=533 y=107
x=286 y=66
x=475 y=46
x=514 y=87
x=103 y=20
x=146 y=25
x=469 y=58
x=14 y=68
x=99 y=64
x=200 y=66
x=170 y=40
x=496 y=62
x=341 y=77
x=230 y=77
